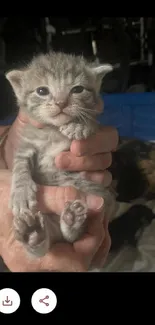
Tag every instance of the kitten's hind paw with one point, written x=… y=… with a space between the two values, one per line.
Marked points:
x=31 y=231
x=73 y=220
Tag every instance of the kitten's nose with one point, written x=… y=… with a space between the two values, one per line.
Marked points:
x=61 y=103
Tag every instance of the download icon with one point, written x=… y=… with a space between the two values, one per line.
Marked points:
x=9 y=301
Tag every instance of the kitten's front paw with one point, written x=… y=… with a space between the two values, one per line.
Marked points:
x=73 y=220
x=75 y=131
x=32 y=232
x=23 y=200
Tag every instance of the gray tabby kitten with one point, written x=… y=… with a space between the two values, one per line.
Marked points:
x=61 y=92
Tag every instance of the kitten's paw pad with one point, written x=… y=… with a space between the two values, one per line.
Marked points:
x=74 y=214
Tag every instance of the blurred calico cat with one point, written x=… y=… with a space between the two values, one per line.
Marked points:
x=133 y=171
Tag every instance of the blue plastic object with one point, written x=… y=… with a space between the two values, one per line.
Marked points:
x=133 y=114
x=8 y=121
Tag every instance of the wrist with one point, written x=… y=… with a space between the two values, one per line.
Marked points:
x=5 y=125
x=4 y=130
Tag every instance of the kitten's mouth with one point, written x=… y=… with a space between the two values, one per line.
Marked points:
x=61 y=118
x=60 y=114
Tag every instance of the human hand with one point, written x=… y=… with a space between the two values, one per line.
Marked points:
x=98 y=149
x=62 y=257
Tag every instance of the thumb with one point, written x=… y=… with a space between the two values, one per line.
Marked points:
x=54 y=199
x=24 y=119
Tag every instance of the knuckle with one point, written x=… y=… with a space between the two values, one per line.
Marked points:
x=98 y=177
x=98 y=233
x=109 y=162
x=108 y=242
x=88 y=163
x=107 y=159
x=59 y=160
x=107 y=178
x=71 y=193
x=101 y=235
x=77 y=148
x=115 y=137
x=102 y=176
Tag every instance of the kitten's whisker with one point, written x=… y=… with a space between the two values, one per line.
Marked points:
x=82 y=118
x=88 y=116
x=89 y=110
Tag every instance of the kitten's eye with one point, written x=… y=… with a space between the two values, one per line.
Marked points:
x=77 y=89
x=42 y=91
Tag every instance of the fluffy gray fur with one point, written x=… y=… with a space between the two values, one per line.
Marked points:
x=61 y=91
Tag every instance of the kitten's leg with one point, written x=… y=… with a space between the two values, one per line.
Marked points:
x=73 y=220
x=29 y=224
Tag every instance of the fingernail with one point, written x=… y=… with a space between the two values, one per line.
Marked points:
x=94 y=202
x=63 y=162
x=66 y=162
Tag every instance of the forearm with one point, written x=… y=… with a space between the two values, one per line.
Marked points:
x=4 y=130
x=5 y=180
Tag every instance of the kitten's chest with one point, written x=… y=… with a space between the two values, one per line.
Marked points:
x=48 y=148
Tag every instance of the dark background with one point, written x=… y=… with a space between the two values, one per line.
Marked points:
x=127 y=41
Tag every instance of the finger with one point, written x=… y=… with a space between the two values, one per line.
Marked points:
x=24 y=119
x=63 y=258
x=106 y=140
x=14 y=135
x=3 y=134
x=89 y=244
x=12 y=141
x=5 y=178
x=3 y=129
x=54 y=199
x=104 y=178
x=103 y=251
x=67 y=161
x=100 y=106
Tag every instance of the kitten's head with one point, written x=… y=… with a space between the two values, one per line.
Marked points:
x=57 y=88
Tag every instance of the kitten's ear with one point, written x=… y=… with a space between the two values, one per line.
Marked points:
x=15 y=79
x=100 y=72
